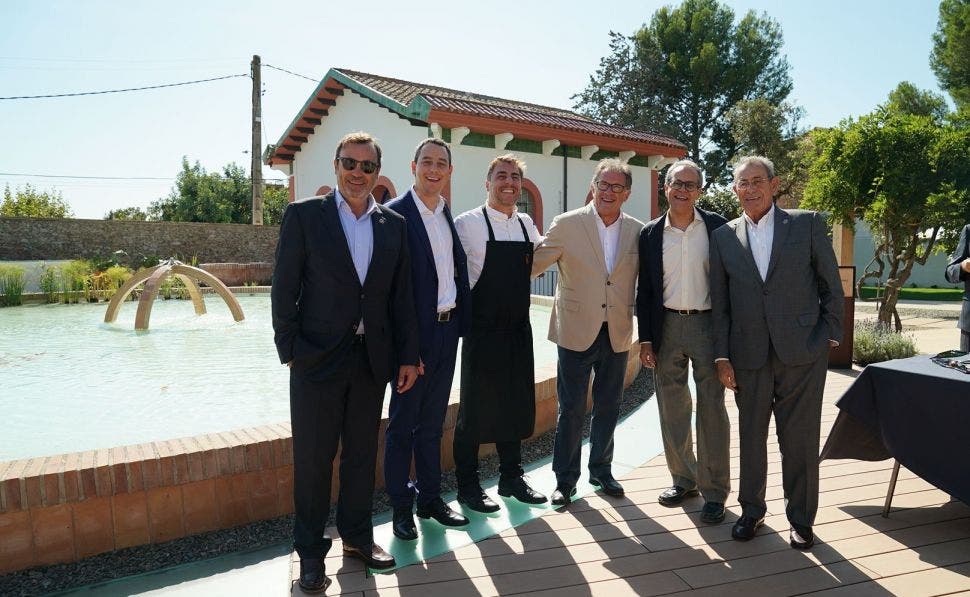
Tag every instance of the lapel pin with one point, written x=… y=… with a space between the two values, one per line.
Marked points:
x=380 y=220
x=785 y=221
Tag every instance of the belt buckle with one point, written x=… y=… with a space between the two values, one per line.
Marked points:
x=444 y=317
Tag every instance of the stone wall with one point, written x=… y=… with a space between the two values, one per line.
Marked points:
x=36 y=238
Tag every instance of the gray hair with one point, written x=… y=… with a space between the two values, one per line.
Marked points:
x=759 y=160
x=684 y=163
x=613 y=165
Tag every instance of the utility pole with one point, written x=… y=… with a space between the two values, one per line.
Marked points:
x=256 y=175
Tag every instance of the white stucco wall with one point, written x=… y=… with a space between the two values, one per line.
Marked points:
x=313 y=165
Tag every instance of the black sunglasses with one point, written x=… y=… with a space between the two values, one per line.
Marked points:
x=367 y=166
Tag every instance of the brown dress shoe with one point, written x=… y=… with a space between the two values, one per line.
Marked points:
x=374 y=556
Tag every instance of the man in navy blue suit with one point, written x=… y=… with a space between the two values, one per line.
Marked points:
x=439 y=276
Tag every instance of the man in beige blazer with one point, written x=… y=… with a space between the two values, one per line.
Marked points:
x=596 y=250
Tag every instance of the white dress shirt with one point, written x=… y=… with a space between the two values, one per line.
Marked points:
x=360 y=237
x=442 y=248
x=473 y=233
x=609 y=239
x=760 y=237
x=686 y=265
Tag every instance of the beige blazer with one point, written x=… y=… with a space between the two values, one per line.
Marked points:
x=585 y=295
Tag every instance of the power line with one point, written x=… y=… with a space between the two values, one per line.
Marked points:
x=121 y=90
x=97 y=177
x=291 y=73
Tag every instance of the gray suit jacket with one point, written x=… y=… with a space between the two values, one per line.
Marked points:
x=798 y=307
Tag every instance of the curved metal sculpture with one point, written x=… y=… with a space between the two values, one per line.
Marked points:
x=153 y=278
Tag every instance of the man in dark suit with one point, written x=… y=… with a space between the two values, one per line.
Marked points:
x=958 y=270
x=674 y=318
x=439 y=276
x=344 y=322
x=777 y=305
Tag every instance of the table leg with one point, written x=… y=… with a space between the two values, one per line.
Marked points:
x=892 y=489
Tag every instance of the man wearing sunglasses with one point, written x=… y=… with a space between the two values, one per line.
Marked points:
x=777 y=305
x=498 y=402
x=595 y=248
x=958 y=270
x=439 y=277
x=674 y=320
x=344 y=322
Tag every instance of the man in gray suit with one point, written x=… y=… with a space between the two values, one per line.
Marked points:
x=777 y=308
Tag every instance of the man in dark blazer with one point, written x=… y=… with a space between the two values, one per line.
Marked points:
x=958 y=270
x=777 y=306
x=344 y=322
x=439 y=276
x=674 y=318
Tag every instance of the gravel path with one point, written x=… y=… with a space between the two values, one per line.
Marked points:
x=257 y=535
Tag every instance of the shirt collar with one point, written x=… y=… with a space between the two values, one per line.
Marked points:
x=602 y=224
x=423 y=209
x=697 y=218
x=766 y=220
x=495 y=214
x=371 y=204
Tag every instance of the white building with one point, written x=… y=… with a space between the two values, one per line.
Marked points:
x=560 y=148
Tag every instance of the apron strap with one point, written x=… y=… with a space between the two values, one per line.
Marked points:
x=491 y=234
x=525 y=234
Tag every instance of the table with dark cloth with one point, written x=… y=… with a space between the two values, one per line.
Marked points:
x=912 y=410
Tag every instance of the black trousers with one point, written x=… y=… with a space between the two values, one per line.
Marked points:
x=466 y=461
x=343 y=409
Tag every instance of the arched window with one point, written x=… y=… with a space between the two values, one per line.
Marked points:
x=530 y=202
x=384 y=191
x=323 y=190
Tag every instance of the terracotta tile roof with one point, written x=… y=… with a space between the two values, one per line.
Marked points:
x=450 y=108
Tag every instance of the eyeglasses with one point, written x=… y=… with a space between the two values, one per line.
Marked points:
x=744 y=185
x=687 y=185
x=605 y=186
x=951 y=360
x=367 y=166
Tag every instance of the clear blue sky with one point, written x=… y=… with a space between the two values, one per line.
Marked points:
x=845 y=56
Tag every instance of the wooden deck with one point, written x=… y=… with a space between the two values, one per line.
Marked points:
x=602 y=546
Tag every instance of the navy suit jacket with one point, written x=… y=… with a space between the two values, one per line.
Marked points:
x=650 y=285
x=955 y=274
x=424 y=276
x=318 y=299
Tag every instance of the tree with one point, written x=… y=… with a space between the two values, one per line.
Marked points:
x=683 y=72
x=950 y=58
x=200 y=196
x=906 y=98
x=28 y=202
x=901 y=174
x=127 y=213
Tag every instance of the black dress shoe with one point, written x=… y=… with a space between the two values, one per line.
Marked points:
x=521 y=491
x=712 y=512
x=608 y=484
x=373 y=556
x=477 y=500
x=313 y=576
x=563 y=495
x=801 y=537
x=675 y=495
x=746 y=527
x=440 y=511
x=403 y=524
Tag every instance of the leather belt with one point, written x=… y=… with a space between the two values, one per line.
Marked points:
x=687 y=311
x=444 y=316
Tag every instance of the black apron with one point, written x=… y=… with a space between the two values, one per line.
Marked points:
x=498 y=399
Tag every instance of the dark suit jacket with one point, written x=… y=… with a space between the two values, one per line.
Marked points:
x=798 y=307
x=424 y=276
x=956 y=275
x=650 y=285
x=318 y=299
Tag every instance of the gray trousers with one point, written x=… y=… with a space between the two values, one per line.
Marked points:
x=794 y=394
x=687 y=338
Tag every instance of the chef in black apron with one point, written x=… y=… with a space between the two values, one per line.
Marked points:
x=497 y=364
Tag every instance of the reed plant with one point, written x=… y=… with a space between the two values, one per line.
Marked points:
x=11 y=285
x=74 y=280
x=49 y=283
